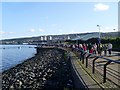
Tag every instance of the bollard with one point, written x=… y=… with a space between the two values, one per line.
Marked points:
x=81 y=55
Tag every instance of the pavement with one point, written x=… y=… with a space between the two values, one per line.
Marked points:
x=113 y=72
x=82 y=74
x=95 y=80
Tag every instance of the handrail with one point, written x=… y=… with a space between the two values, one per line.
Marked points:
x=100 y=57
x=86 y=55
x=96 y=58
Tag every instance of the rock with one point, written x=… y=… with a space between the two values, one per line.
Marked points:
x=47 y=69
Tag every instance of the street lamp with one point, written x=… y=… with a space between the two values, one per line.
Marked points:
x=99 y=33
x=99 y=30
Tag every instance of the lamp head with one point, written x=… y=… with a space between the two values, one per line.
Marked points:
x=98 y=25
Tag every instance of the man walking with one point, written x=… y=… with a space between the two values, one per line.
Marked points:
x=109 y=48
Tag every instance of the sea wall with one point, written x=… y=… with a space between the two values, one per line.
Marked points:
x=49 y=69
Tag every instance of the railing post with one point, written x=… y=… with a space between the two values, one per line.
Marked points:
x=104 y=76
x=93 y=68
x=87 y=60
x=80 y=55
x=83 y=57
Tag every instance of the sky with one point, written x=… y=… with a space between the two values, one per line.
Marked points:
x=28 y=19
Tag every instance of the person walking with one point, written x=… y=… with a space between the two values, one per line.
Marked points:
x=100 y=48
x=81 y=51
x=89 y=47
x=84 y=47
x=109 y=48
x=95 y=48
x=91 y=50
x=105 y=49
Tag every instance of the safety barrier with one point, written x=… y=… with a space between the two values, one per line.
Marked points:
x=83 y=55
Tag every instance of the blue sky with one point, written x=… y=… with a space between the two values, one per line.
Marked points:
x=26 y=19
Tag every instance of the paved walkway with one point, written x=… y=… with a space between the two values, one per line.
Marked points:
x=83 y=76
x=94 y=80
x=113 y=72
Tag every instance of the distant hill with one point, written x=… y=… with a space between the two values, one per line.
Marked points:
x=83 y=36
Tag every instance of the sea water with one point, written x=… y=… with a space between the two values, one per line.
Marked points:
x=11 y=55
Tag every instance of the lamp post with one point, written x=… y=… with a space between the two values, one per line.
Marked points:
x=99 y=32
x=115 y=30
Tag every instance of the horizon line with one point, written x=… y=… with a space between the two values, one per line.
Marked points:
x=51 y=35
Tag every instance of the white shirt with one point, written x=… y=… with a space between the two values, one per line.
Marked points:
x=110 y=46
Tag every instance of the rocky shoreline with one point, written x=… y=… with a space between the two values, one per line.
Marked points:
x=47 y=70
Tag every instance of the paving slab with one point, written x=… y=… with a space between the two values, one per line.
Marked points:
x=83 y=76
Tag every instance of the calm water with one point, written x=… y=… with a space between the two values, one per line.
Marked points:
x=11 y=55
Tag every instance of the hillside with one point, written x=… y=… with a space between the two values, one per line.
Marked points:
x=54 y=38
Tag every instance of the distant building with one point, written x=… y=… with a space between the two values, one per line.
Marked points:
x=25 y=43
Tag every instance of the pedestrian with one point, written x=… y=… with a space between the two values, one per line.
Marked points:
x=95 y=48
x=100 y=49
x=73 y=47
x=109 y=48
x=105 y=49
x=81 y=51
x=91 y=50
x=89 y=47
x=84 y=47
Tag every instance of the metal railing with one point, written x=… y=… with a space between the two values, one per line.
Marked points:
x=85 y=55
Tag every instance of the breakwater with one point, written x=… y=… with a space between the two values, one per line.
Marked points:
x=49 y=69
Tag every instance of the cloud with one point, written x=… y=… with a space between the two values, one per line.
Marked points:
x=1 y=32
x=107 y=28
x=32 y=30
x=11 y=32
x=74 y=31
x=7 y=33
x=41 y=30
x=101 y=7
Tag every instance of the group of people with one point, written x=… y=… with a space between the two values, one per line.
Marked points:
x=94 y=48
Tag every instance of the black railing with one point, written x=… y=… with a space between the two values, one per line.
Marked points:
x=86 y=55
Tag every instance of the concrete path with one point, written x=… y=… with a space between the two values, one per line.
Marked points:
x=113 y=72
x=86 y=80
x=95 y=80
